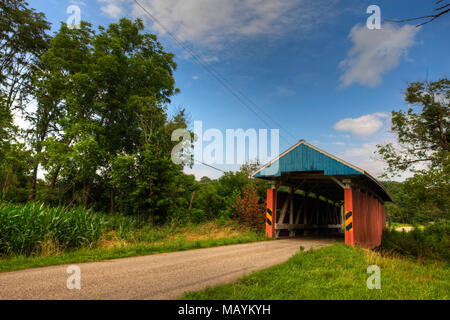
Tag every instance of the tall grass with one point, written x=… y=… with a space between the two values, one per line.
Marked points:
x=33 y=228
x=429 y=243
x=37 y=230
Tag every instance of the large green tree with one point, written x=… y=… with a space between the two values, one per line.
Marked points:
x=423 y=134
x=101 y=127
x=23 y=39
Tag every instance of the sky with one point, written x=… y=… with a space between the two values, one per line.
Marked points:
x=311 y=68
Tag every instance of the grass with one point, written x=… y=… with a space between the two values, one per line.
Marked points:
x=123 y=236
x=429 y=243
x=336 y=272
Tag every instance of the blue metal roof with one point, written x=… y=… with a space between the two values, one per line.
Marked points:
x=304 y=157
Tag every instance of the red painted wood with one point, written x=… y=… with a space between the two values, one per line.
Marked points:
x=348 y=203
x=271 y=198
x=369 y=220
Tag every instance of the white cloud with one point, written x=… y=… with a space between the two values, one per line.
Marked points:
x=363 y=126
x=365 y=158
x=113 y=8
x=213 y=22
x=375 y=52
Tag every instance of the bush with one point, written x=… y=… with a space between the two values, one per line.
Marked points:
x=432 y=242
x=29 y=229
x=249 y=210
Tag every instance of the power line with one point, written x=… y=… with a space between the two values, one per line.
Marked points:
x=223 y=81
x=210 y=166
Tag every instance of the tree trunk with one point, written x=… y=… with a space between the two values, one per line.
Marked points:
x=192 y=200
x=54 y=178
x=86 y=192
x=32 y=195
x=5 y=184
x=111 y=201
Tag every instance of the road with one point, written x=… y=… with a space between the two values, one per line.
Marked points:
x=160 y=276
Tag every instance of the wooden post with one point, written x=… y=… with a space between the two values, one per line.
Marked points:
x=291 y=212
x=284 y=209
x=348 y=202
x=299 y=212
x=271 y=212
x=305 y=214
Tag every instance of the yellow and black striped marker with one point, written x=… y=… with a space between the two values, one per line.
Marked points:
x=269 y=217
x=349 y=221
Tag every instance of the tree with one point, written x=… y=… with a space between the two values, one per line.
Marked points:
x=249 y=209
x=23 y=39
x=423 y=133
x=101 y=124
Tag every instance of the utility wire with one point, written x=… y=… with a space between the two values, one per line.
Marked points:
x=224 y=82
x=210 y=166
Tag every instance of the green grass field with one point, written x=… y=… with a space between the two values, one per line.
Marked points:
x=337 y=272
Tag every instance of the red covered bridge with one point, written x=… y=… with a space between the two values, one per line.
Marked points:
x=314 y=192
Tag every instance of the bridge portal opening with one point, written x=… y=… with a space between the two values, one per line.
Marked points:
x=315 y=193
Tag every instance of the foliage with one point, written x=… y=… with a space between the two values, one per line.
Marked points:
x=423 y=135
x=14 y=168
x=23 y=39
x=249 y=209
x=431 y=243
x=337 y=272
x=34 y=228
x=420 y=199
x=120 y=236
x=100 y=131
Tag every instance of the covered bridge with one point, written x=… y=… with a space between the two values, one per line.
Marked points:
x=314 y=192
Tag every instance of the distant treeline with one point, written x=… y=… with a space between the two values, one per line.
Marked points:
x=416 y=202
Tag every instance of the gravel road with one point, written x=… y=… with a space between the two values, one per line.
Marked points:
x=160 y=276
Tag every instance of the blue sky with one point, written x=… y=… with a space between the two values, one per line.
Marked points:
x=312 y=65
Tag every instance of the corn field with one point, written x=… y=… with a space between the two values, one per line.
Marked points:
x=33 y=228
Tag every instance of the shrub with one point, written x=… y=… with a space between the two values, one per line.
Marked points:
x=248 y=208
x=29 y=229
x=433 y=242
